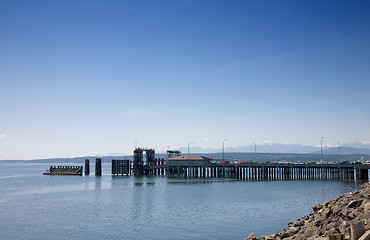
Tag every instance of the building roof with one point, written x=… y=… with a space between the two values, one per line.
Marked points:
x=190 y=158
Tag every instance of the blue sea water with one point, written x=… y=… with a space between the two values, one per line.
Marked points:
x=33 y=206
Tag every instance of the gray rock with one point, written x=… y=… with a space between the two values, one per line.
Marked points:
x=317 y=208
x=367 y=207
x=251 y=236
x=292 y=230
x=329 y=213
x=355 y=203
x=317 y=223
x=285 y=235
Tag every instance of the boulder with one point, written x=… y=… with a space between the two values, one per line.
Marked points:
x=317 y=208
x=355 y=203
x=251 y=236
x=309 y=233
x=367 y=207
x=292 y=230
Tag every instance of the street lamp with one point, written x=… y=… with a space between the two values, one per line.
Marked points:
x=223 y=150
x=338 y=148
x=189 y=145
x=321 y=148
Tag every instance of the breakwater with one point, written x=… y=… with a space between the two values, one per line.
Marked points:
x=346 y=217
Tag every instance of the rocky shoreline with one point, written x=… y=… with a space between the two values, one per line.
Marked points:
x=346 y=217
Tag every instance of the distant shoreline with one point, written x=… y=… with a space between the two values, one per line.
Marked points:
x=258 y=157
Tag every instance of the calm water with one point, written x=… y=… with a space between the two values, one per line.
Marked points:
x=34 y=206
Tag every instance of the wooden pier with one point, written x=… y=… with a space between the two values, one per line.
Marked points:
x=198 y=166
x=64 y=170
x=273 y=171
x=202 y=167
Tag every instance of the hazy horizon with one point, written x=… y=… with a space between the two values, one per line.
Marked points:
x=265 y=148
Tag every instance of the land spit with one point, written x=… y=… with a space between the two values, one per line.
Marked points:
x=346 y=217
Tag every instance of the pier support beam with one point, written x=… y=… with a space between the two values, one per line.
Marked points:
x=98 y=167
x=362 y=174
x=87 y=167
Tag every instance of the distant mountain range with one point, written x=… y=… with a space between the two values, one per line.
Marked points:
x=264 y=152
x=257 y=157
x=351 y=148
x=265 y=148
x=344 y=150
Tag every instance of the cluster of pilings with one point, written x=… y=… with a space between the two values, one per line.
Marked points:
x=98 y=169
x=156 y=168
x=121 y=167
x=271 y=172
x=138 y=168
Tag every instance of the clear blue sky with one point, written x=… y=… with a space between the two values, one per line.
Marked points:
x=92 y=77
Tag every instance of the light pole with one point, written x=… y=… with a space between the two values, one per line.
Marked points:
x=188 y=146
x=338 y=148
x=321 y=148
x=223 y=150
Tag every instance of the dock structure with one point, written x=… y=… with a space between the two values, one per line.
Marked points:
x=199 y=166
x=194 y=166
x=156 y=168
x=120 y=167
x=64 y=170
x=138 y=168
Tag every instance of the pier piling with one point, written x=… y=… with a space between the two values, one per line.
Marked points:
x=87 y=167
x=98 y=167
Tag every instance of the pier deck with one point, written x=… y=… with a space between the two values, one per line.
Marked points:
x=260 y=171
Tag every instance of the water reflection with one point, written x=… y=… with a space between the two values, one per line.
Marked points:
x=98 y=182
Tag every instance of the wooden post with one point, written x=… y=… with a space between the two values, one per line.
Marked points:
x=87 y=167
x=98 y=167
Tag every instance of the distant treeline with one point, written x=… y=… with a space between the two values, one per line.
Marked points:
x=258 y=157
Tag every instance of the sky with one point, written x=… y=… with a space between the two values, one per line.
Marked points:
x=81 y=78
